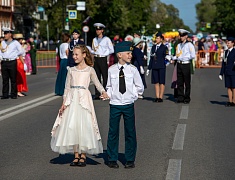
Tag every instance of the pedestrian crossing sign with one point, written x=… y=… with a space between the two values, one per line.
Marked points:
x=72 y=14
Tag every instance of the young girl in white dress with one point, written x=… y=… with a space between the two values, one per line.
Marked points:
x=76 y=129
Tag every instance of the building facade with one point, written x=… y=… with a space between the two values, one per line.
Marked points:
x=6 y=14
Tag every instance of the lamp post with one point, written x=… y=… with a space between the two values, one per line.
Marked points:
x=63 y=12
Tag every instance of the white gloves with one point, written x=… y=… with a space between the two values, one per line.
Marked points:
x=174 y=58
x=221 y=77
x=147 y=72
x=169 y=57
x=141 y=70
x=25 y=67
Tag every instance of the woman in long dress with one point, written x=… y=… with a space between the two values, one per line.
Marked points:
x=27 y=57
x=62 y=73
x=76 y=129
x=21 y=80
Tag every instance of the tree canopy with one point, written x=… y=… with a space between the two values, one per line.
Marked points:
x=120 y=16
x=219 y=13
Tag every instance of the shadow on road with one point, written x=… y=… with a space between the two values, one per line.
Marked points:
x=170 y=97
x=148 y=98
x=68 y=158
x=218 y=102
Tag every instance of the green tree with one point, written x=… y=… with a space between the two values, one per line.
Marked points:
x=226 y=15
x=167 y=16
x=206 y=13
x=120 y=16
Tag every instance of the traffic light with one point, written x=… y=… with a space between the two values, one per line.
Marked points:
x=202 y=28
x=66 y=19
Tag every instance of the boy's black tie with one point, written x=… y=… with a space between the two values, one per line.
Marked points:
x=122 y=84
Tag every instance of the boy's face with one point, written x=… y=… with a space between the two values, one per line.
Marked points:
x=158 y=39
x=230 y=44
x=76 y=36
x=125 y=57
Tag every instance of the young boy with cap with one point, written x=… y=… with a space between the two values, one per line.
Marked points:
x=123 y=86
x=75 y=41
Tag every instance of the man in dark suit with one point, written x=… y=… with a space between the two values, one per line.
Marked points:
x=228 y=70
x=157 y=64
x=75 y=41
x=33 y=54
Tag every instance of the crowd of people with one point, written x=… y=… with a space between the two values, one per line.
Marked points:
x=120 y=79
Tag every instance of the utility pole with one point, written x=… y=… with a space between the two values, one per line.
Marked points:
x=63 y=12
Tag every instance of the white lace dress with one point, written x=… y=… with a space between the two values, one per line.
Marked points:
x=77 y=130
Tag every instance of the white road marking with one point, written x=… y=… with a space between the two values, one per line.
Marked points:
x=27 y=107
x=174 y=169
x=25 y=104
x=184 y=112
x=179 y=137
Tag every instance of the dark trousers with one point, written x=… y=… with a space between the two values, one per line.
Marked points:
x=9 y=72
x=183 y=81
x=130 y=132
x=101 y=69
x=34 y=63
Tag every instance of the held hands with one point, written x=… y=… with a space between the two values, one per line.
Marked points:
x=61 y=110
x=221 y=77
x=104 y=96
x=147 y=72
x=141 y=70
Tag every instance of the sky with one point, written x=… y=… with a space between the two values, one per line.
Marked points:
x=187 y=11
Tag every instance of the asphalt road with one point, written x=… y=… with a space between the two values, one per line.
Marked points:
x=175 y=141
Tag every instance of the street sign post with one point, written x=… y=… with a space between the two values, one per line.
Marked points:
x=81 y=5
x=72 y=14
x=85 y=30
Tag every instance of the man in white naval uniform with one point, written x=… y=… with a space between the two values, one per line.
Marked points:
x=10 y=50
x=185 y=53
x=102 y=47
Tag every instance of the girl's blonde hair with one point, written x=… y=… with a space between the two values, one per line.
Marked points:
x=84 y=49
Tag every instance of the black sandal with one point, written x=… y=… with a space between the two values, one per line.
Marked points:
x=75 y=163
x=82 y=164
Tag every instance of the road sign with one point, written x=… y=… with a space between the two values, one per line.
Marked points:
x=81 y=5
x=208 y=25
x=85 y=28
x=72 y=14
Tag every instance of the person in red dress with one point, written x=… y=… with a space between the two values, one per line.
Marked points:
x=21 y=68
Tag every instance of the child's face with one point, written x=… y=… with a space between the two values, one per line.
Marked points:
x=76 y=36
x=125 y=56
x=78 y=56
